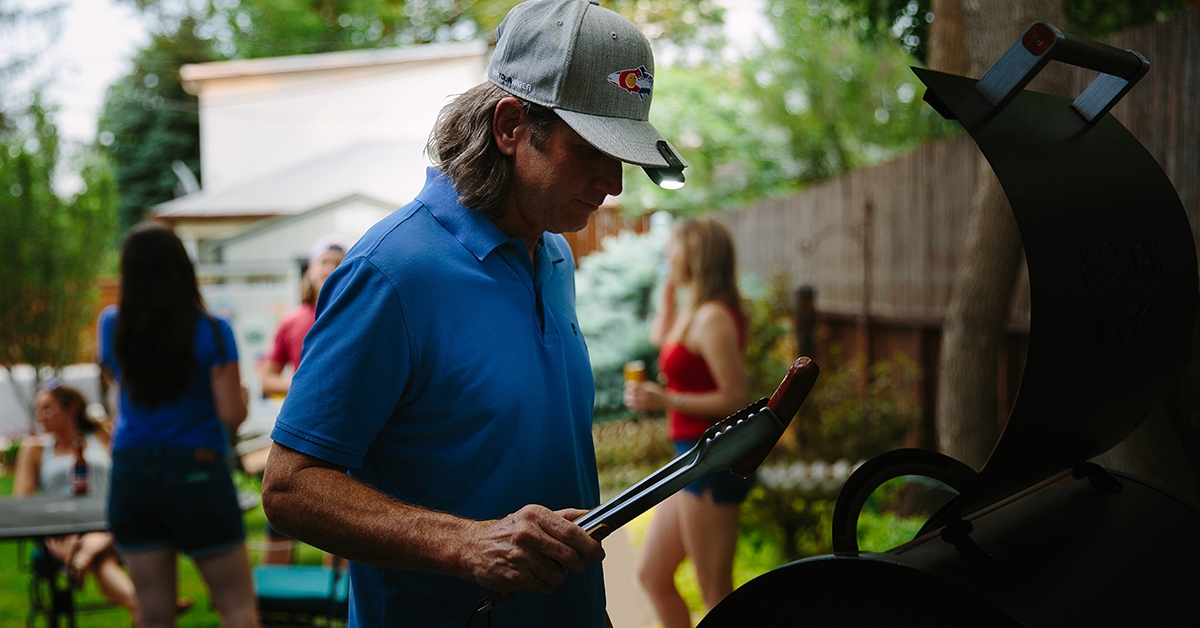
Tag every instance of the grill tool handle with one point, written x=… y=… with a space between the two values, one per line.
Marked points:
x=1041 y=43
x=738 y=443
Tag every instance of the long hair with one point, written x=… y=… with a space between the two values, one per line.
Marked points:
x=709 y=271
x=461 y=146
x=66 y=396
x=308 y=292
x=156 y=325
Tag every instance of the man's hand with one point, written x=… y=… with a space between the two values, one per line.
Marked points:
x=530 y=549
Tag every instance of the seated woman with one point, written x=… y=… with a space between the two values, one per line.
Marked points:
x=46 y=464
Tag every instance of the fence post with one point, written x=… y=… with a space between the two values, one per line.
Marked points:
x=804 y=315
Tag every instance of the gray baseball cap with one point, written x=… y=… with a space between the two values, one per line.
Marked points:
x=594 y=68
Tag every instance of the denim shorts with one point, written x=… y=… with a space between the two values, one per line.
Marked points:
x=183 y=499
x=725 y=487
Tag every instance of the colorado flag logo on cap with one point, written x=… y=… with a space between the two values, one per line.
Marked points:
x=637 y=81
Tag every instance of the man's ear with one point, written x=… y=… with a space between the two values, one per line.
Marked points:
x=509 y=124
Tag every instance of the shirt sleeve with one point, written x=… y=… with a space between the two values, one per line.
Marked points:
x=228 y=343
x=104 y=338
x=280 y=347
x=356 y=365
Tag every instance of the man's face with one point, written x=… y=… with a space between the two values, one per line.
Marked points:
x=557 y=188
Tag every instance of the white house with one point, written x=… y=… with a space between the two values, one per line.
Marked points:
x=275 y=135
x=299 y=147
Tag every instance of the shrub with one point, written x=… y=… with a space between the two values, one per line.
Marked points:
x=855 y=412
x=614 y=297
x=627 y=451
x=801 y=527
x=770 y=343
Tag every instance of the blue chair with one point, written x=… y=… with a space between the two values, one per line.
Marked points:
x=302 y=595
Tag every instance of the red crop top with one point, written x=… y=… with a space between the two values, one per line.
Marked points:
x=687 y=372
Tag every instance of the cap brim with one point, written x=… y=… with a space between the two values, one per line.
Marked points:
x=631 y=141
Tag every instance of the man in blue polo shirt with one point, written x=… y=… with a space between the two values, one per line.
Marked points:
x=438 y=429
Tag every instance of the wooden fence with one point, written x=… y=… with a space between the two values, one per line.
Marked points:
x=885 y=241
x=880 y=246
x=607 y=221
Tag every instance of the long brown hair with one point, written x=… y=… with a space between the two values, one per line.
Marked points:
x=156 y=325
x=709 y=271
x=461 y=146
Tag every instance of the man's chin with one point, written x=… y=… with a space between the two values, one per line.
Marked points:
x=578 y=224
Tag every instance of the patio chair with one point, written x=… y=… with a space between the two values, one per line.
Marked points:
x=51 y=592
x=302 y=595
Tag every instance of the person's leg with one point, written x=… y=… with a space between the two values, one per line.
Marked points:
x=115 y=584
x=710 y=536
x=278 y=551
x=154 y=580
x=63 y=547
x=90 y=547
x=661 y=554
x=227 y=575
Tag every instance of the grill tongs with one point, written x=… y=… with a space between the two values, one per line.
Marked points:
x=738 y=443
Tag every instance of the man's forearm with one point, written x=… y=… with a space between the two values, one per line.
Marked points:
x=318 y=503
x=324 y=507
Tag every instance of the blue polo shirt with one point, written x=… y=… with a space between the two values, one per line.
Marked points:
x=447 y=370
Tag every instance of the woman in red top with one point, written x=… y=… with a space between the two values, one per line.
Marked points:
x=324 y=257
x=701 y=340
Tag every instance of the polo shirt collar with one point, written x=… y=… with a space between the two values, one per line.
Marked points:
x=550 y=248
x=475 y=231
x=472 y=228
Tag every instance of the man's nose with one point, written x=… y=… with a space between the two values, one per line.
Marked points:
x=608 y=175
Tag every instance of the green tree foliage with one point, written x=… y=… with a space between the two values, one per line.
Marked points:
x=150 y=122
x=614 y=302
x=54 y=246
x=270 y=28
x=833 y=93
x=244 y=29
x=24 y=31
x=1097 y=18
x=905 y=21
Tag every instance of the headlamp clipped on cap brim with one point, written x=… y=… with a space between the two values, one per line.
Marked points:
x=667 y=178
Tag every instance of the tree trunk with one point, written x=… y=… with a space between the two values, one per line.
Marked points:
x=948 y=50
x=968 y=405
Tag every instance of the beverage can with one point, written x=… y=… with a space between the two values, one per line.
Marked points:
x=635 y=371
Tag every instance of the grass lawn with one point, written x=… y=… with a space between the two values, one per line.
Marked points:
x=14 y=578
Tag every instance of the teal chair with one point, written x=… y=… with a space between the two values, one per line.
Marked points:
x=302 y=595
